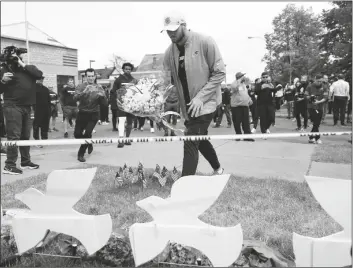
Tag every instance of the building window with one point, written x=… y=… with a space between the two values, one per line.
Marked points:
x=70 y=60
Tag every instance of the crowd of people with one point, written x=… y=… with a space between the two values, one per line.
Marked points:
x=199 y=95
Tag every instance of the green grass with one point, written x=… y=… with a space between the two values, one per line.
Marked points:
x=268 y=210
x=333 y=153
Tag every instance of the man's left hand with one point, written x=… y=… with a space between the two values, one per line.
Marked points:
x=195 y=107
x=20 y=62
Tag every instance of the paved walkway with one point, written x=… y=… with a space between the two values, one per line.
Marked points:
x=287 y=159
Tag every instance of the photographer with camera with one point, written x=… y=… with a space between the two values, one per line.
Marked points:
x=318 y=96
x=18 y=83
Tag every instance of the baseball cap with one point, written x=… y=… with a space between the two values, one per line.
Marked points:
x=239 y=75
x=172 y=21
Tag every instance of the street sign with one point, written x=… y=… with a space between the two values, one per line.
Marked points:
x=289 y=53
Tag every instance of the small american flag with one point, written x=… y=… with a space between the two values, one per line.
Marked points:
x=163 y=177
x=174 y=174
x=157 y=172
x=118 y=179
x=141 y=175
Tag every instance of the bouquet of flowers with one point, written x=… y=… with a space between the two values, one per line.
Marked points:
x=146 y=98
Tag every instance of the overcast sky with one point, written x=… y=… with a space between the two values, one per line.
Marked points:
x=132 y=29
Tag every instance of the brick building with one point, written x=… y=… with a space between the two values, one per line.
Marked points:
x=57 y=61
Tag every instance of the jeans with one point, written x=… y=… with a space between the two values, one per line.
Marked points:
x=18 y=127
x=225 y=109
x=142 y=121
x=290 y=109
x=2 y=122
x=339 y=109
x=240 y=116
x=301 y=109
x=267 y=113
x=198 y=126
x=316 y=116
x=85 y=122
x=43 y=132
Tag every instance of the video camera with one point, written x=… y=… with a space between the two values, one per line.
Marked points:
x=312 y=99
x=6 y=55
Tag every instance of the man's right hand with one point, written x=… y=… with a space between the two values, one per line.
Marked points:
x=7 y=77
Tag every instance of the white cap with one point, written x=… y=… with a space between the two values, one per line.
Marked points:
x=173 y=20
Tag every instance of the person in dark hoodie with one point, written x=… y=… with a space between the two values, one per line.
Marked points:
x=126 y=77
x=265 y=102
x=300 y=103
x=42 y=112
x=253 y=106
x=90 y=96
x=18 y=83
x=317 y=95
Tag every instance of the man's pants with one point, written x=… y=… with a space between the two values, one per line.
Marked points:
x=85 y=122
x=266 y=113
x=224 y=109
x=198 y=126
x=330 y=107
x=278 y=101
x=339 y=109
x=43 y=131
x=240 y=117
x=301 y=110
x=254 y=114
x=18 y=127
x=316 y=116
x=104 y=113
x=349 y=111
x=324 y=111
x=114 y=117
x=290 y=109
x=2 y=122
x=142 y=121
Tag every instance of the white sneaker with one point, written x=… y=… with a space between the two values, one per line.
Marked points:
x=105 y=123
x=268 y=131
x=311 y=140
x=253 y=131
x=318 y=142
x=94 y=131
x=152 y=130
x=218 y=172
x=141 y=128
x=99 y=122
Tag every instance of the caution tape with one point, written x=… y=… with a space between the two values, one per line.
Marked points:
x=168 y=139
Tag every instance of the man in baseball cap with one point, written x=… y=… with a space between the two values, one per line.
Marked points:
x=173 y=20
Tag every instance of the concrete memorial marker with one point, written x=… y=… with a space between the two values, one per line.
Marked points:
x=176 y=219
x=53 y=211
x=335 y=197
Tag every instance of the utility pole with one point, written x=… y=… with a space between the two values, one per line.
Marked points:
x=90 y=61
x=26 y=25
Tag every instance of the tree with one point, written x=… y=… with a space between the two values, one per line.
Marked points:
x=294 y=29
x=336 y=42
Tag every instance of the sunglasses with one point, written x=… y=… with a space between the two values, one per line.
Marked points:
x=265 y=77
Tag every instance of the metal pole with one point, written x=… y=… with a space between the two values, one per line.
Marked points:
x=290 y=69
x=26 y=25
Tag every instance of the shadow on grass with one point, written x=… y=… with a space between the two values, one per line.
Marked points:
x=268 y=210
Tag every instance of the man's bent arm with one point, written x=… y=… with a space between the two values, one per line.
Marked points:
x=217 y=68
x=33 y=71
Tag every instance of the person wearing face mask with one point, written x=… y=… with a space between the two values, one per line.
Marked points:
x=265 y=92
x=197 y=70
x=126 y=77
x=300 y=103
x=90 y=96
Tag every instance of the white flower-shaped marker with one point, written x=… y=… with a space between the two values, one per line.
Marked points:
x=335 y=197
x=176 y=219
x=53 y=211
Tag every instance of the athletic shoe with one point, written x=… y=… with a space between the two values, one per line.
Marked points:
x=56 y=130
x=311 y=140
x=81 y=159
x=3 y=151
x=318 y=141
x=90 y=149
x=127 y=143
x=152 y=130
x=218 y=172
x=120 y=145
x=94 y=131
x=253 y=131
x=141 y=128
x=99 y=122
x=268 y=131
x=229 y=126
x=12 y=170
x=66 y=135
x=29 y=165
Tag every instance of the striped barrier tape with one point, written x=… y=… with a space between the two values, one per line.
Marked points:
x=168 y=139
